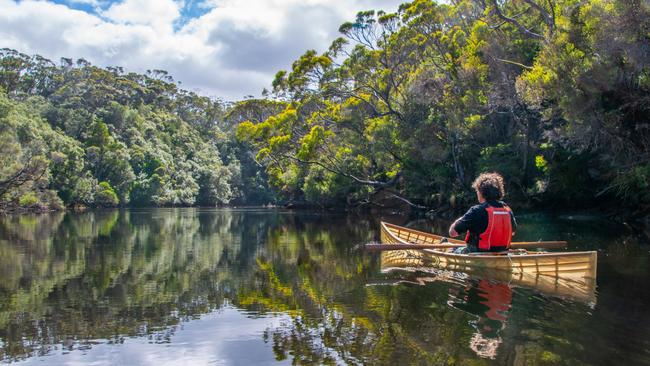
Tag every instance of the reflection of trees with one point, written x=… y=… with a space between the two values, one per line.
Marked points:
x=109 y=273
x=32 y=262
x=335 y=317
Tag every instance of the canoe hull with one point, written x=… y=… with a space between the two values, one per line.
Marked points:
x=571 y=264
x=564 y=274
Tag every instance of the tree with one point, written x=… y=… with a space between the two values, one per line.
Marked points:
x=105 y=195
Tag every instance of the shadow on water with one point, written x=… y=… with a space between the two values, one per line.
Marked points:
x=295 y=287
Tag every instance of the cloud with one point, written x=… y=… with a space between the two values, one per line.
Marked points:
x=156 y=13
x=231 y=48
x=270 y=49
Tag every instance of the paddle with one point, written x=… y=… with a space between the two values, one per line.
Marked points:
x=514 y=245
x=373 y=246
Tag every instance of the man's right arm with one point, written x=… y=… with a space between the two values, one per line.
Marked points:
x=452 y=229
x=463 y=223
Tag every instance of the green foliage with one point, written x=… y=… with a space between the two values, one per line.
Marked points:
x=324 y=187
x=213 y=186
x=501 y=158
x=64 y=129
x=310 y=141
x=144 y=190
x=105 y=195
x=98 y=135
x=541 y=163
x=416 y=103
x=28 y=199
x=570 y=178
x=430 y=96
x=635 y=185
x=83 y=191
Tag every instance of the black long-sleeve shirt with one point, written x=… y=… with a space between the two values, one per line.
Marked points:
x=475 y=220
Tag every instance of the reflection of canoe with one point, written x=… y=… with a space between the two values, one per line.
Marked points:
x=422 y=270
x=567 y=274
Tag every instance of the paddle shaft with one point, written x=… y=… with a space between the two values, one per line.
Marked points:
x=411 y=246
x=515 y=245
x=525 y=244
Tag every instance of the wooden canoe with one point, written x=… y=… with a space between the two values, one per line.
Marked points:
x=556 y=264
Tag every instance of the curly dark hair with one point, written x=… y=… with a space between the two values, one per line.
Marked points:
x=490 y=185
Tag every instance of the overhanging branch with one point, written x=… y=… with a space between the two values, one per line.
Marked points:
x=373 y=183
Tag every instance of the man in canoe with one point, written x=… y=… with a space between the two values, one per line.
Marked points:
x=491 y=224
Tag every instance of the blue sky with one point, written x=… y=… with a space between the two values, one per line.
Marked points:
x=189 y=8
x=221 y=48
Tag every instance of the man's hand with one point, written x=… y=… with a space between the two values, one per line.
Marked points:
x=452 y=231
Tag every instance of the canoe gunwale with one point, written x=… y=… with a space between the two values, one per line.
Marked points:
x=531 y=254
x=515 y=245
x=388 y=226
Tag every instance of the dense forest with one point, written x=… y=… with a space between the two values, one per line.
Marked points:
x=79 y=135
x=405 y=107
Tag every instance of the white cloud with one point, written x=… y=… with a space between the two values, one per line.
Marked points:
x=156 y=13
x=232 y=50
x=227 y=336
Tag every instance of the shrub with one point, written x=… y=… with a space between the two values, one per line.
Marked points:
x=28 y=199
x=105 y=195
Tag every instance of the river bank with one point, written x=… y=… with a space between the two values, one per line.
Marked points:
x=641 y=224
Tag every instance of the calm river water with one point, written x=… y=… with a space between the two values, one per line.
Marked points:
x=241 y=287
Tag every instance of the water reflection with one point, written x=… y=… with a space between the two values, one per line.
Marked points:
x=566 y=285
x=237 y=287
x=487 y=302
x=71 y=281
x=490 y=302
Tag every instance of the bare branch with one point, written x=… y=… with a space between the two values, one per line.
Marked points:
x=515 y=63
x=514 y=21
x=373 y=183
x=399 y=197
x=548 y=18
x=33 y=171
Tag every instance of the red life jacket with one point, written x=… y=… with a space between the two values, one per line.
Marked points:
x=499 y=229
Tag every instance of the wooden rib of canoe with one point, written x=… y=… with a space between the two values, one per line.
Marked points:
x=556 y=264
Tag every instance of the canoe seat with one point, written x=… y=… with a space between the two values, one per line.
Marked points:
x=509 y=252
x=489 y=253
